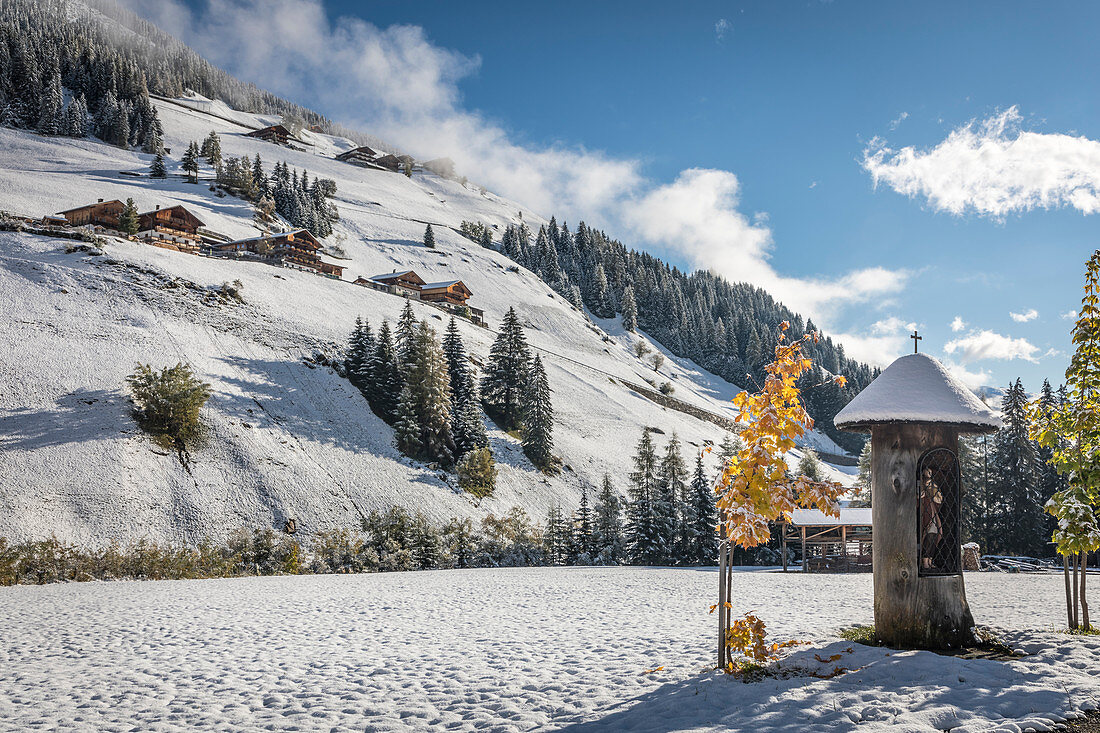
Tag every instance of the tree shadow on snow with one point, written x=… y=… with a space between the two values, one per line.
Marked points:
x=932 y=696
x=315 y=404
x=76 y=417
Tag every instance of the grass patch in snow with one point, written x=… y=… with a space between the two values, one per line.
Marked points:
x=987 y=645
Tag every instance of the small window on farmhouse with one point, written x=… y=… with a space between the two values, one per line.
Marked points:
x=938 y=512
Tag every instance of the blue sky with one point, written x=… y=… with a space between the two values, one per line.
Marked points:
x=747 y=138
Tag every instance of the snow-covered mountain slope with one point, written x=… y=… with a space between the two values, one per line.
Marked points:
x=285 y=437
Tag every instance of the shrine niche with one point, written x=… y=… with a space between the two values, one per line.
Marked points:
x=915 y=412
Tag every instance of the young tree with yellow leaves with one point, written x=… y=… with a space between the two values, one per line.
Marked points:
x=755 y=486
x=1070 y=429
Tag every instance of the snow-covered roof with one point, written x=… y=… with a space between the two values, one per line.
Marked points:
x=393 y=275
x=917 y=389
x=443 y=284
x=817 y=518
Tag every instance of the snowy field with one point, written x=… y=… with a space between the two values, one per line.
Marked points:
x=549 y=648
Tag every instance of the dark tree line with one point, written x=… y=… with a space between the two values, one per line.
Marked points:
x=728 y=328
x=1007 y=480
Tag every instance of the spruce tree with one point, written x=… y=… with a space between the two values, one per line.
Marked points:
x=156 y=168
x=406 y=341
x=407 y=426
x=557 y=538
x=538 y=419
x=190 y=162
x=810 y=466
x=630 y=310
x=608 y=531
x=1020 y=517
x=51 y=116
x=645 y=543
x=583 y=532
x=1050 y=481
x=76 y=117
x=672 y=513
x=429 y=386
x=128 y=219
x=360 y=348
x=212 y=150
x=429 y=237
x=385 y=383
x=862 y=495
x=704 y=535
x=506 y=374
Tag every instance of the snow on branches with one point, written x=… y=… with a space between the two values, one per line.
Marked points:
x=755 y=486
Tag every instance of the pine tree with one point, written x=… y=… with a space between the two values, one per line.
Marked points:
x=407 y=427
x=630 y=310
x=128 y=219
x=810 y=466
x=76 y=117
x=1019 y=520
x=51 y=116
x=862 y=495
x=703 y=532
x=608 y=530
x=385 y=383
x=429 y=237
x=190 y=162
x=583 y=550
x=357 y=354
x=156 y=168
x=429 y=387
x=644 y=541
x=538 y=419
x=469 y=430
x=672 y=510
x=557 y=538
x=506 y=374
x=407 y=328
x=486 y=238
x=212 y=150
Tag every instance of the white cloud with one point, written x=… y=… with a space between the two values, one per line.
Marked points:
x=721 y=28
x=884 y=341
x=898 y=120
x=958 y=324
x=1028 y=315
x=973 y=379
x=994 y=168
x=986 y=344
x=396 y=84
x=1069 y=316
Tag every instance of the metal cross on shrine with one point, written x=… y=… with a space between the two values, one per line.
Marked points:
x=916 y=338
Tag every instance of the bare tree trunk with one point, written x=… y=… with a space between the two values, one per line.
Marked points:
x=1069 y=594
x=1084 y=603
x=729 y=595
x=1074 y=562
x=722 y=604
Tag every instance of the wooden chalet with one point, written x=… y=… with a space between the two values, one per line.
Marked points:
x=406 y=283
x=389 y=162
x=274 y=134
x=173 y=227
x=297 y=249
x=102 y=213
x=449 y=291
x=359 y=156
x=830 y=544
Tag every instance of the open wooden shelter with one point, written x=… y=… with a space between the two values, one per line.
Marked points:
x=829 y=544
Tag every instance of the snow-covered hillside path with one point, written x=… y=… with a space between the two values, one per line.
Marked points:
x=515 y=649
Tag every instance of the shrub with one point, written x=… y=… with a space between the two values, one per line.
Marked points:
x=262 y=552
x=641 y=348
x=167 y=403
x=667 y=389
x=477 y=472
x=342 y=551
x=658 y=361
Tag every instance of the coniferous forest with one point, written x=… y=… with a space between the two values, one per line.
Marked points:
x=727 y=328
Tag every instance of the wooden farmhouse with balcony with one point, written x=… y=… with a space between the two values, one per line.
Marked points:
x=296 y=249
x=405 y=283
x=274 y=134
x=362 y=156
x=173 y=227
x=102 y=213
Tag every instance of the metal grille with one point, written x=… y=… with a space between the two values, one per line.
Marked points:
x=938 y=512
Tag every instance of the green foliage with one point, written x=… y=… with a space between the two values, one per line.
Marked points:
x=505 y=380
x=861 y=635
x=538 y=420
x=167 y=403
x=156 y=168
x=477 y=232
x=477 y=472
x=190 y=162
x=128 y=219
